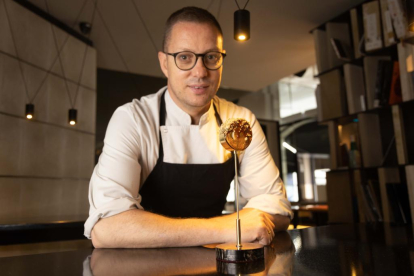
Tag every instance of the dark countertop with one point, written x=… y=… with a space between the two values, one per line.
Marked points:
x=356 y=249
x=41 y=229
x=27 y=222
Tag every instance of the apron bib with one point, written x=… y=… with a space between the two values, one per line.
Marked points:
x=186 y=190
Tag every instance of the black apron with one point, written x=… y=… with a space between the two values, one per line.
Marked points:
x=186 y=190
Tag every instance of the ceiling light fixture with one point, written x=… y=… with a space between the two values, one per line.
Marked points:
x=29 y=111
x=72 y=116
x=242 y=23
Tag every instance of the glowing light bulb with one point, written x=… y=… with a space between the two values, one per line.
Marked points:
x=72 y=123
x=29 y=116
x=242 y=37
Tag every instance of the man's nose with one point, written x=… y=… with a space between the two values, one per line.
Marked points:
x=199 y=70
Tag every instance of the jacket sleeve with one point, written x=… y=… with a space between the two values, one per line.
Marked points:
x=115 y=181
x=259 y=180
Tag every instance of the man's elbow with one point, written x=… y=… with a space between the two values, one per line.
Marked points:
x=95 y=242
x=282 y=222
x=96 y=237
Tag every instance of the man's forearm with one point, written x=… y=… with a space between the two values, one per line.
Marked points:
x=141 y=229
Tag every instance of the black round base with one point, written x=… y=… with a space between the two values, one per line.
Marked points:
x=249 y=252
x=224 y=268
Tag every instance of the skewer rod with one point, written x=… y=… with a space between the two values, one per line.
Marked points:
x=236 y=184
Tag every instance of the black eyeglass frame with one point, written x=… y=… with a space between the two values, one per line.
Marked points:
x=197 y=56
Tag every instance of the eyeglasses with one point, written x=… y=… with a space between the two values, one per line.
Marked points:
x=187 y=60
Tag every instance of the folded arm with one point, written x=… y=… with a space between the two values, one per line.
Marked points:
x=142 y=229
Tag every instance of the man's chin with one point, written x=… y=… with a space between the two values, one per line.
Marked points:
x=199 y=104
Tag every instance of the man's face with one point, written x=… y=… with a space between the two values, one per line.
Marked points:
x=192 y=90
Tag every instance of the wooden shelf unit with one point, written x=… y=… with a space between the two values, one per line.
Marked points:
x=384 y=134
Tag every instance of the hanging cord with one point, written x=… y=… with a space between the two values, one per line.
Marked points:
x=209 y=5
x=112 y=39
x=219 y=9
x=116 y=47
x=244 y=5
x=57 y=56
x=2 y=81
x=84 y=55
x=145 y=26
x=17 y=53
x=290 y=93
x=60 y=60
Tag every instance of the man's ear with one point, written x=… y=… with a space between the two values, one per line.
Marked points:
x=162 y=58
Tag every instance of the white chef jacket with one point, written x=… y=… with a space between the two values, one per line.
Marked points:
x=131 y=146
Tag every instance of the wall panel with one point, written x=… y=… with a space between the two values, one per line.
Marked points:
x=45 y=164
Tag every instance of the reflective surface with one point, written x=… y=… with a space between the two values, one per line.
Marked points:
x=355 y=249
x=188 y=261
x=359 y=249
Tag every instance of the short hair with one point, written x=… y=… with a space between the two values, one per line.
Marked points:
x=188 y=14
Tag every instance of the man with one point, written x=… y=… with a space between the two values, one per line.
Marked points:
x=163 y=176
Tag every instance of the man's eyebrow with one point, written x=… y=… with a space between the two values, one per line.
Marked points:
x=216 y=49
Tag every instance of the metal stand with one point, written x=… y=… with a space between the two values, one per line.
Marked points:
x=236 y=184
x=239 y=253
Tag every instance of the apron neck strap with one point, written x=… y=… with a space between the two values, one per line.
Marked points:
x=162 y=121
x=218 y=119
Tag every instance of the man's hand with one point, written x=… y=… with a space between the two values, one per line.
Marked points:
x=256 y=226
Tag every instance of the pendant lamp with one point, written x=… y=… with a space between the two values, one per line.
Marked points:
x=29 y=111
x=242 y=25
x=72 y=116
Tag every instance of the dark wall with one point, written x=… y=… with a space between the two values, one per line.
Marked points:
x=312 y=138
x=116 y=88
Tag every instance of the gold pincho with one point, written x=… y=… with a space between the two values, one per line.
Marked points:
x=235 y=134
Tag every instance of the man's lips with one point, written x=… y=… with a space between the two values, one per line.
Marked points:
x=199 y=88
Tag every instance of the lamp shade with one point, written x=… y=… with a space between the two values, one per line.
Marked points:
x=241 y=25
x=29 y=111
x=72 y=116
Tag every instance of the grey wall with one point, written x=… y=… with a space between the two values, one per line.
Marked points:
x=45 y=164
x=118 y=88
x=263 y=103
